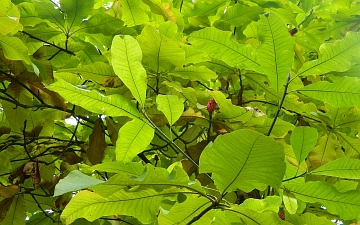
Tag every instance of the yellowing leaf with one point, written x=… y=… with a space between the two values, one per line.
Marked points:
x=97 y=143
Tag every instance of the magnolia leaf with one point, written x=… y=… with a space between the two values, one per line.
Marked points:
x=126 y=59
x=17 y=212
x=183 y=213
x=303 y=140
x=244 y=159
x=94 y=101
x=91 y=206
x=99 y=23
x=324 y=151
x=160 y=52
x=280 y=129
x=75 y=181
x=197 y=73
x=14 y=49
x=133 y=13
x=9 y=16
x=130 y=168
x=134 y=137
x=97 y=143
x=308 y=218
x=171 y=106
x=344 y=92
x=248 y=216
x=218 y=44
x=346 y=205
x=76 y=11
x=338 y=56
x=151 y=177
x=290 y=202
x=342 y=167
x=238 y=14
x=276 y=52
x=270 y=203
x=8 y=191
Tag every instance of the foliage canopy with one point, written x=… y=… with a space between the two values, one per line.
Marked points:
x=179 y=112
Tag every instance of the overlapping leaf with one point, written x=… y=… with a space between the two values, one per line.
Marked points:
x=337 y=56
x=303 y=140
x=171 y=106
x=94 y=101
x=133 y=14
x=218 y=44
x=341 y=167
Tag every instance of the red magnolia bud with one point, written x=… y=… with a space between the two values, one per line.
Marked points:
x=64 y=203
x=210 y=107
x=57 y=203
x=282 y=216
x=293 y=31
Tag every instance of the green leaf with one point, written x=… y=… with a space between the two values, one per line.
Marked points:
x=97 y=71
x=196 y=73
x=308 y=218
x=183 y=213
x=160 y=52
x=344 y=92
x=94 y=101
x=152 y=177
x=76 y=11
x=250 y=217
x=143 y=205
x=14 y=49
x=346 y=205
x=134 y=137
x=9 y=16
x=130 y=168
x=280 y=130
x=17 y=212
x=75 y=181
x=126 y=60
x=133 y=13
x=276 y=52
x=270 y=203
x=171 y=106
x=99 y=23
x=303 y=140
x=244 y=159
x=324 y=151
x=342 y=167
x=238 y=14
x=338 y=56
x=219 y=45
x=50 y=14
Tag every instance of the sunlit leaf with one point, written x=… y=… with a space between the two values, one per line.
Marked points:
x=75 y=181
x=238 y=14
x=171 y=106
x=14 y=49
x=341 y=167
x=199 y=73
x=126 y=60
x=17 y=212
x=9 y=16
x=303 y=140
x=346 y=205
x=133 y=14
x=245 y=160
x=94 y=101
x=76 y=11
x=134 y=137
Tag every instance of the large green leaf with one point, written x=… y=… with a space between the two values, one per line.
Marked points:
x=152 y=177
x=76 y=11
x=303 y=140
x=126 y=59
x=346 y=205
x=219 y=45
x=171 y=106
x=238 y=14
x=14 y=49
x=244 y=159
x=308 y=218
x=94 y=101
x=160 y=52
x=133 y=13
x=270 y=203
x=143 y=205
x=75 y=181
x=183 y=213
x=337 y=56
x=130 y=168
x=134 y=137
x=198 y=73
x=9 y=16
x=97 y=71
x=344 y=92
x=324 y=151
x=276 y=52
x=100 y=23
x=343 y=167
